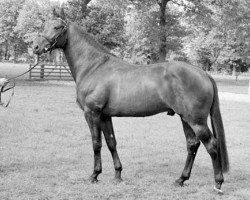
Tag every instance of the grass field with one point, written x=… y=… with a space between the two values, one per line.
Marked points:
x=46 y=152
x=229 y=84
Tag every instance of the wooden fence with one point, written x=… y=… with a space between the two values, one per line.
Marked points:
x=50 y=72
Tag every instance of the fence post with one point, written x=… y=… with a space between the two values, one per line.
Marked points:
x=42 y=71
x=60 y=72
x=30 y=72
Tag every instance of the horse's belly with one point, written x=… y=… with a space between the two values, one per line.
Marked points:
x=137 y=93
x=140 y=104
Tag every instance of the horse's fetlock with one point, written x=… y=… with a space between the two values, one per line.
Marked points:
x=97 y=170
x=185 y=175
x=219 y=178
x=118 y=168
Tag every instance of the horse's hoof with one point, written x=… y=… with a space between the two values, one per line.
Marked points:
x=218 y=191
x=117 y=180
x=179 y=183
x=93 y=180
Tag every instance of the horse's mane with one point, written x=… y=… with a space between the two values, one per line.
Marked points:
x=91 y=40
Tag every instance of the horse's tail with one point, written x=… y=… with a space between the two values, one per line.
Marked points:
x=218 y=129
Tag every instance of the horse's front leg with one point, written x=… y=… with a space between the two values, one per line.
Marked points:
x=93 y=121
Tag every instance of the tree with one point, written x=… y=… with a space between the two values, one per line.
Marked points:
x=104 y=19
x=32 y=16
x=159 y=31
x=9 y=40
x=77 y=9
x=225 y=36
x=31 y=19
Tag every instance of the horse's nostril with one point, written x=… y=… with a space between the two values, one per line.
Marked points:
x=36 y=47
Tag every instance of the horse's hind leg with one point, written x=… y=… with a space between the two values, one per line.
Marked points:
x=108 y=131
x=210 y=142
x=192 y=147
x=95 y=129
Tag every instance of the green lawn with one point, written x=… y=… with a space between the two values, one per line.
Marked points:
x=46 y=152
x=229 y=84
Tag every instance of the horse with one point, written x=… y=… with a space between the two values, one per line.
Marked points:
x=107 y=86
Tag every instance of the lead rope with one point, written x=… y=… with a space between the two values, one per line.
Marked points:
x=3 y=89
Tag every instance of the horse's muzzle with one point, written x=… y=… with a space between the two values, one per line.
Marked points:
x=41 y=51
x=41 y=46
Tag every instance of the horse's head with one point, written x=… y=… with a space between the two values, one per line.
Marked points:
x=54 y=34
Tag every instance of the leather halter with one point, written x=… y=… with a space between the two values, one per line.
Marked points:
x=54 y=40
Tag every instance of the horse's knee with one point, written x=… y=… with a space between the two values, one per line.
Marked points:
x=97 y=145
x=112 y=145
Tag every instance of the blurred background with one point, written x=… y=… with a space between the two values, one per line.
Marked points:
x=213 y=34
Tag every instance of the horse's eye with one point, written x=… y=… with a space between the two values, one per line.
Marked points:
x=57 y=27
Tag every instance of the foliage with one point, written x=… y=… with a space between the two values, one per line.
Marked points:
x=144 y=31
x=104 y=19
x=76 y=10
x=225 y=37
x=212 y=33
x=9 y=11
x=32 y=17
x=107 y=24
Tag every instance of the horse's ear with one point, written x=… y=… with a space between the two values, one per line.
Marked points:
x=55 y=14
x=62 y=14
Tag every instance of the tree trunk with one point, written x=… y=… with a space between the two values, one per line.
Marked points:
x=162 y=16
x=215 y=67
x=84 y=7
x=6 y=51
x=234 y=71
x=15 y=53
x=207 y=67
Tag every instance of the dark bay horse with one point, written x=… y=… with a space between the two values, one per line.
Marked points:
x=107 y=86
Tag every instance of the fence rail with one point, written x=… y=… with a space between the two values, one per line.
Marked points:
x=50 y=72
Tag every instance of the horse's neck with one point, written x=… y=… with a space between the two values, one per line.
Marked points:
x=80 y=51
